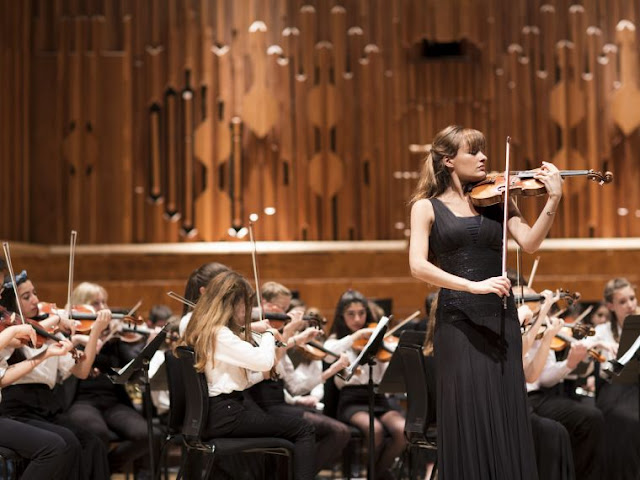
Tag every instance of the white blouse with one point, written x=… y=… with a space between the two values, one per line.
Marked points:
x=361 y=377
x=50 y=371
x=237 y=364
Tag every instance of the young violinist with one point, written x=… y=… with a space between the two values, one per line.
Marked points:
x=48 y=453
x=349 y=325
x=231 y=364
x=103 y=407
x=290 y=393
x=554 y=458
x=32 y=398
x=549 y=399
x=619 y=402
x=457 y=246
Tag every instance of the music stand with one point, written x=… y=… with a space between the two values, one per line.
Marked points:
x=368 y=357
x=393 y=378
x=626 y=370
x=137 y=372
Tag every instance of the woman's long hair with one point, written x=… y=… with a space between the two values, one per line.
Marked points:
x=201 y=277
x=435 y=177
x=610 y=289
x=216 y=309
x=339 y=327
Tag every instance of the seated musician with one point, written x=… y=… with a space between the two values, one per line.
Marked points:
x=547 y=396
x=44 y=445
x=231 y=365
x=102 y=406
x=31 y=398
x=619 y=402
x=351 y=316
x=270 y=395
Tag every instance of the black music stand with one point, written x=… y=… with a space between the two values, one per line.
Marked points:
x=626 y=370
x=137 y=372
x=368 y=357
x=393 y=379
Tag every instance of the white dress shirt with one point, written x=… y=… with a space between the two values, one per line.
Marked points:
x=50 y=371
x=184 y=321
x=237 y=364
x=553 y=371
x=344 y=344
x=604 y=333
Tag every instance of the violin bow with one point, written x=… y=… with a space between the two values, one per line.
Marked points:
x=72 y=256
x=181 y=299
x=7 y=256
x=255 y=272
x=505 y=218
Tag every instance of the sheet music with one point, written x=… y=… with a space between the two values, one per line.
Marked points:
x=381 y=324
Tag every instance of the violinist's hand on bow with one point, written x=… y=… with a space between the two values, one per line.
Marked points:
x=550 y=176
x=362 y=333
x=498 y=285
x=22 y=332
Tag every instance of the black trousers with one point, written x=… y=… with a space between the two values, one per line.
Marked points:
x=228 y=417
x=332 y=436
x=49 y=454
x=35 y=404
x=585 y=425
x=128 y=425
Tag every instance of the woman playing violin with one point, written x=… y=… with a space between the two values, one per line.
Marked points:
x=483 y=425
x=49 y=455
x=102 y=406
x=32 y=397
x=351 y=316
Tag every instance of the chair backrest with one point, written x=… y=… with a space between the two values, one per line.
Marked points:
x=177 y=398
x=420 y=383
x=196 y=394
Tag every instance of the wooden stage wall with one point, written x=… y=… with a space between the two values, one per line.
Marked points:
x=140 y=121
x=320 y=271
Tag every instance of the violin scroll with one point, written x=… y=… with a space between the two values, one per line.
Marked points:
x=599 y=177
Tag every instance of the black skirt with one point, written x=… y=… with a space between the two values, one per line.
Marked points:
x=355 y=398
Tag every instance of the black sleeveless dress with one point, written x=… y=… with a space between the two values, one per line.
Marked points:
x=484 y=431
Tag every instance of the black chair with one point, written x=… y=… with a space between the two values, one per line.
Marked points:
x=189 y=398
x=11 y=464
x=419 y=378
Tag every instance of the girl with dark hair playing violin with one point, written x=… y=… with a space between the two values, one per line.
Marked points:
x=483 y=424
x=42 y=444
x=352 y=315
x=31 y=398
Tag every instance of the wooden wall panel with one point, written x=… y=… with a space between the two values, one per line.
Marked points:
x=138 y=98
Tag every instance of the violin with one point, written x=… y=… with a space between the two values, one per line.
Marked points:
x=569 y=335
x=84 y=315
x=278 y=319
x=490 y=191
x=389 y=341
x=7 y=319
